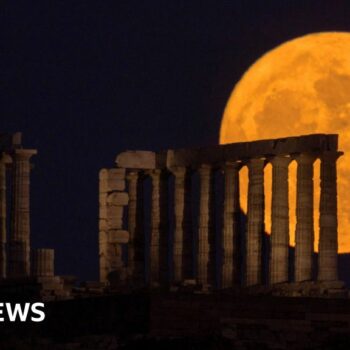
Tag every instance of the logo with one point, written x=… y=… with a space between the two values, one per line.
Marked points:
x=22 y=312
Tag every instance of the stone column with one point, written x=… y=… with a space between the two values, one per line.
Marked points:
x=182 y=261
x=255 y=224
x=112 y=200
x=158 y=239
x=136 y=246
x=103 y=226
x=3 y=232
x=43 y=263
x=206 y=237
x=230 y=266
x=304 y=235
x=328 y=243
x=19 y=252
x=279 y=220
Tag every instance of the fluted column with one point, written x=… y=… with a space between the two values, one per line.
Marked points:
x=230 y=266
x=3 y=232
x=182 y=261
x=158 y=239
x=43 y=263
x=279 y=220
x=136 y=245
x=328 y=242
x=255 y=225
x=304 y=235
x=206 y=238
x=19 y=259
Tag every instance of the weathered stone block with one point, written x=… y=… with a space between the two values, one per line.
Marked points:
x=118 y=198
x=137 y=160
x=118 y=236
x=111 y=185
x=103 y=212
x=103 y=174
x=114 y=211
x=102 y=225
x=116 y=185
x=112 y=180
x=102 y=237
x=115 y=223
x=102 y=198
x=116 y=173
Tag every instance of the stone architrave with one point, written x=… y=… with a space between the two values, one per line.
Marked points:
x=304 y=234
x=19 y=245
x=206 y=249
x=182 y=261
x=158 y=239
x=328 y=242
x=230 y=268
x=136 y=160
x=255 y=221
x=279 y=220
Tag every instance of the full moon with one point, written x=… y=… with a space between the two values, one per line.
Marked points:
x=300 y=87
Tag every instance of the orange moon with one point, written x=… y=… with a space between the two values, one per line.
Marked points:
x=300 y=87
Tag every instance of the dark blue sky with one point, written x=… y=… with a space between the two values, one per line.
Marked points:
x=85 y=80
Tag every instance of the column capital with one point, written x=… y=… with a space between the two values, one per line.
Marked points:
x=154 y=172
x=205 y=169
x=330 y=156
x=179 y=171
x=280 y=160
x=132 y=174
x=256 y=162
x=24 y=154
x=237 y=165
x=5 y=158
x=305 y=158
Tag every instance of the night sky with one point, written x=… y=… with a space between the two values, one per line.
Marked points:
x=86 y=80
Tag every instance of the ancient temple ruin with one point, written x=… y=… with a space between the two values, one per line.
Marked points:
x=176 y=250
x=15 y=261
x=18 y=262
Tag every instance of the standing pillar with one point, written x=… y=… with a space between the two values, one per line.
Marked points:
x=328 y=243
x=19 y=249
x=279 y=220
x=104 y=266
x=112 y=202
x=3 y=231
x=304 y=235
x=255 y=225
x=230 y=266
x=136 y=245
x=43 y=263
x=182 y=261
x=158 y=239
x=206 y=238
